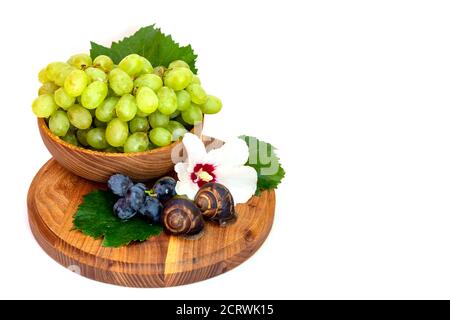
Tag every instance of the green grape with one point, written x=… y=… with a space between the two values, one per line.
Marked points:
x=59 y=123
x=120 y=82
x=107 y=110
x=177 y=130
x=178 y=64
x=99 y=124
x=212 y=105
x=116 y=132
x=157 y=119
x=160 y=137
x=148 y=80
x=183 y=100
x=94 y=94
x=139 y=124
x=80 y=61
x=146 y=66
x=126 y=108
x=137 y=142
x=70 y=138
x=79 y=116
x=198 y=94
x=96 y=74
x=175 y=114
x=42 y=76
x=146 y=99
x=196 y=79
x=54 y=68
x=192 y=115
x=82 y=137
x=141 y=114
x=63 y=100
x=167 y=101
x=60 y=78
x=47 y=88
x=44 y=106
x=76 y=82
x=159 y=71
x=132 y=64
x=178 y=78
x=96 y=138
x=103 y=62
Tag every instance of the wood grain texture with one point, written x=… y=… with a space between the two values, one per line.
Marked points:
x=162 y=261
x=99 y=166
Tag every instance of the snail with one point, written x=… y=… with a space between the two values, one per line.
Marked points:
x=181 y=217
x=216 y=203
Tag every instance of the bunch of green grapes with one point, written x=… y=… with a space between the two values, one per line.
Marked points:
x=129 y=107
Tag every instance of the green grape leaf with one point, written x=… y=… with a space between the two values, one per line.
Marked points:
x=95 y=218
x=151 y=43
x=263 y=158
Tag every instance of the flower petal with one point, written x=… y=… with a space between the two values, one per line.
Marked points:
x=195 y=148
x=241 y=181
x=233 y=153
x=184 y=185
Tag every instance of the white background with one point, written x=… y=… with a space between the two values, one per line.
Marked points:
x=355 y=95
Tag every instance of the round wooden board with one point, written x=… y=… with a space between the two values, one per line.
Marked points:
x=162 y=261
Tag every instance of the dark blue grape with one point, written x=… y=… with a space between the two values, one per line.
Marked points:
x=119 y=184
x=123 y=210
x=152 y=209
x=165 y=188
x=136 y=195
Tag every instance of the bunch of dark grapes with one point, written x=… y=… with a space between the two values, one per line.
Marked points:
x=134 y=198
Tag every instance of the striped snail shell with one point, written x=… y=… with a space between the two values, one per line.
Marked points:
x=181 y=217
x=216 y=203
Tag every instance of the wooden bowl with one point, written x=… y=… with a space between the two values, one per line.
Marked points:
x=99 y=166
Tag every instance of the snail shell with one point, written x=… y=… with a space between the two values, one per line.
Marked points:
x=181 y=217
x=216 y=203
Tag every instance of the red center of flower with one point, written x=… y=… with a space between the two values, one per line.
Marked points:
x=203 y=173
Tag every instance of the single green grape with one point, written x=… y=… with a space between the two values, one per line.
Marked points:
x=160 y=137
x=198 y=94
x=107 y=110
x=47 y=88
x=183 y=100
x=96 y=74
x=148 y=80
x=54 y=68
x=192 y=115
x=79 y=116
x=177 y=130
x=44 y=106
x=141 y=114
x=120 y=81
x=94 y=94
x=173 y=124
x=103 y=62
x=59 y=123
x=96 y=138
x=76 y=82
x=60 y=78
x=137 y=142
x=63 y=100
x=116 y=132
x=126 y=107
x=42 y=76
x=146 y=66
x=146 y=99
x=196 y=79
x=71 y=138
x=132 y=64
x=167 y=100
x=178 y=78
x=80 y=61
x=178 y=64
x=139 y=124
x=82 y=137
x=212 y=105
x=99 y=124
x=159 y=71
x=157 y=119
